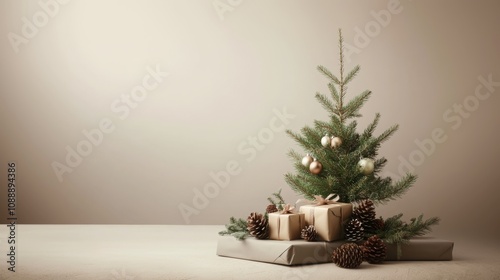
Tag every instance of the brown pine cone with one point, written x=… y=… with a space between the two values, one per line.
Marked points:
x=354 y=231
x=309 y=233
x=257 y=225
x=365 y=213
x=348 y=255
x=271 y=208
x=374 y=250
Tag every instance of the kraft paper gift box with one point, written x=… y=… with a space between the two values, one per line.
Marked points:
x=301 y=252
x=422 y=249
x=285 y=226
x=328 y=219
x=294 y=252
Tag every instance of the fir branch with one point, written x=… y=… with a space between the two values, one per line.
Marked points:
x=352 y=108
x=326 y=103
x=298 y=138
x=236 y=228
x=294 y=155
x=401 y=186
x=334 y=92
x=328 y=74
x=391 y=232
x=351 y=74
x=299 y=185
x=310 y=134
x=379 y=164
x=279 y=204
x=357 y=191
x=387 y=134
x=341 y=61
x=279 y=197
x=324 y=127
x=369 y=146
x=371 y=127
x=334 y=127
x=378 y=186
x=342 y=85
x=398 y=189
x=398 y=232
x=418 y=227
x=351 y=127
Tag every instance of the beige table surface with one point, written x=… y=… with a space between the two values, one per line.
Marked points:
x=135 y=252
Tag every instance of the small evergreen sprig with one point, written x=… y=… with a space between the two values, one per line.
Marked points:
x=398 y=232
x=280 y=201
x=236 y=228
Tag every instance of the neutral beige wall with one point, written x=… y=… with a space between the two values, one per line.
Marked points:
x=231 y=74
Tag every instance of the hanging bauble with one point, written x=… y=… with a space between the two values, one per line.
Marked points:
x=335 y=142
x=307 y=160
x=366 y=166
x=315 y=167
x=325 y=141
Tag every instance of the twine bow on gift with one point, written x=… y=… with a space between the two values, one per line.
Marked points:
x=328 y=200
x=287 y=209
x=319 y=200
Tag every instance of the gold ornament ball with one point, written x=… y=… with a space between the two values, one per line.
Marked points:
x=307 y=160
x=366 y=166
x=315 y=167
x=325 y=141
x=335 y=142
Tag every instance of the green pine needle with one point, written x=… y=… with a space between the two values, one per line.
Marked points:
x=334 y=92
x=327 y=104
x=328 y=74
x=396 y=231
x=236 y=228
x=351 y=110
x=351 y=74
x=367 y=134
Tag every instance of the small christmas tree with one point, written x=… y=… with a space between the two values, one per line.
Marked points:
x=344 y=162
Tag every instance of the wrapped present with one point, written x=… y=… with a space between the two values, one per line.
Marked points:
x=300 y=252
x=422 y=249
x=294 y=252
x=328 y=217
x=285 y=225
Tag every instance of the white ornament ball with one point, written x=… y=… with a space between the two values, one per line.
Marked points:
x=307 y=160
x=325 y=141
x=315 y=167
x=366 y=166
x=335 y=142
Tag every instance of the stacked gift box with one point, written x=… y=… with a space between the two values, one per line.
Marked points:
x=300 y=252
